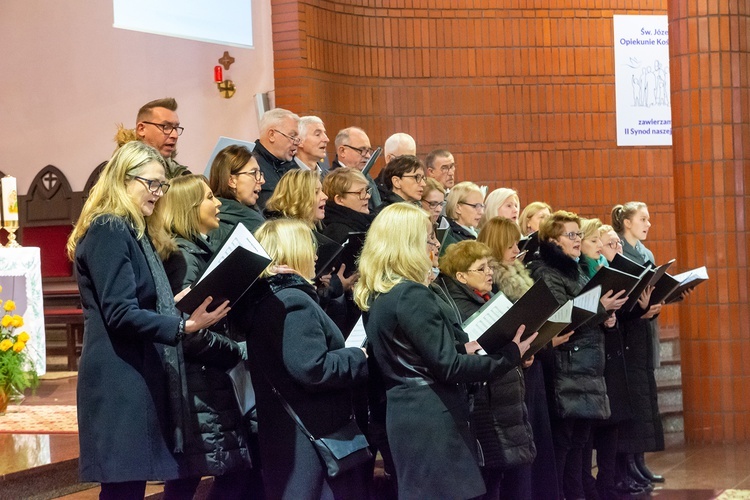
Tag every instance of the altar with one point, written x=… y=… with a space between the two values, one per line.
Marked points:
x=21 y=281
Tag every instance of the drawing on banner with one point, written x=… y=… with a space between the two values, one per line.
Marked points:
x=644 y=113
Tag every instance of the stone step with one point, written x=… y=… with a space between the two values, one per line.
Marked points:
x=669 y=392
x=671 y=417
x=669 y=348
x=669 y=370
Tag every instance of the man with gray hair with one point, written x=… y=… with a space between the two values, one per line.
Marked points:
x=442 y=167
x=399 y=144
x=312 y=149
x=353 y=149
x=276 y=147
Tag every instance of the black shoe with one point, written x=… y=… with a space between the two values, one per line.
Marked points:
x=629 y=487
x=635 y=473
x=640 y=462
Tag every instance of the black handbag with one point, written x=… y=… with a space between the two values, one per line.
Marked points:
x=341 y=450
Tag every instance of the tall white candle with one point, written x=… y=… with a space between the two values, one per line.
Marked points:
x=10 y=200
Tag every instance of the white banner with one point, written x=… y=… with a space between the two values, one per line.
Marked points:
x=644 y=112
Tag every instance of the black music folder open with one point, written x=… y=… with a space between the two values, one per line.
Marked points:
x=230 y=273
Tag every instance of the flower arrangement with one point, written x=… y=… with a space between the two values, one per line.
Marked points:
x=17 y=371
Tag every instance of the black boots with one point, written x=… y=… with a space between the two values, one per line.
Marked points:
x=640 y=463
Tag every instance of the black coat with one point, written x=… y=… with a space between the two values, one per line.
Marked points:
x=455 y=234
x=616 y=376
x=499 y=416
x=341 y=220
x=293 y=345
x=123 y=408
x=579 y=389
x=215 y=435
x=231 y=213
x=427 y=411
x=644 y=432
x=273 y=169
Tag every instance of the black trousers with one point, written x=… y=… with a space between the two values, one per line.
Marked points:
x=570 y=436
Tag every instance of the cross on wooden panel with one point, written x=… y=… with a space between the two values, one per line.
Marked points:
x=50 y=180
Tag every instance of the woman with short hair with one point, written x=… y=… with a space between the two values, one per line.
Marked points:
x=236 y=180
x=414 y=347
x=347 y=208
x=532 y=216
x=296 y=350
x=433 y=199
x=404 y=180
x=502 y=202
x=464 y=208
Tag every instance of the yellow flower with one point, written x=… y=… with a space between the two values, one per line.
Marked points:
x=5 y=345
x=9 y=305
x=6 y=321
x=17 y=321
x=1 y=289
x=23 y=337
x=18 y=346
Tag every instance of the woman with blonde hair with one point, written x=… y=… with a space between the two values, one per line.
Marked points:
x=347 y=207
x=502 y=202
x=297 y=353
x=130 y=422
x=298 y=195
x=413 y=344
x=236 y=180
x=216 y=442
x=533 y=215
x=591 y=247
x=464 y=208
x=433 y=199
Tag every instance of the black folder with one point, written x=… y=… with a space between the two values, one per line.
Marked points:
x=228 y=281
x=532 y=310
x=638 y=290
x=529 y=243
x=663 y=288
x=548 y=331
x=328 y=252
x=611 y=279
x=626 y=265
x=692 y=279
x=372 y=160
x=352 y=247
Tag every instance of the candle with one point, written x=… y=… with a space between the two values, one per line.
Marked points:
x=10 y=200
x=218 y=74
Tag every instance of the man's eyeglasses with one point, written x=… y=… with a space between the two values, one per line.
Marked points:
x=483 y=270
x=296 y=141
x=363 y=152
x=475 y=206
x=434 y=204
x=167 y=128
x=363 y=193
x=573 y=235
x=257 y=173
x=417 y=177
x=613 y=244
x=447 y=168
x=154 y=185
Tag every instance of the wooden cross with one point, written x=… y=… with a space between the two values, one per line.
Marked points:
x=226 y=60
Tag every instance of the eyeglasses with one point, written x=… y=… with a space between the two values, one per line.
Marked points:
x=363 y=193
x=483 y=270
x=417 y=177
x=475 y=206
x=296 y=141
x=167 y=128
x=257 y=173
x=613 y=244
x=433 y=242
x=447 y=168
x=363 y=152
x=434 y=204
x=154 y=185
x=572 y=235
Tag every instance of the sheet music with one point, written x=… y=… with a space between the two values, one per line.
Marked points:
x=444 y=224
x=693 y=274
x=242 y=385
x=240 y=237
x=357 y=337
x=589 y=301
x=487 y=316
x=564 y=314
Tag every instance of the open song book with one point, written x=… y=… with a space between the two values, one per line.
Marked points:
x=230 y=273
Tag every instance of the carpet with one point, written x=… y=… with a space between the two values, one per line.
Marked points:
x=39 y=419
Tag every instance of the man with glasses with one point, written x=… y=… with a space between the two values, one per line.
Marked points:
x=353 y=149
x=442 y=167
x=312 y=149
x=278 y=143
x=158 y=126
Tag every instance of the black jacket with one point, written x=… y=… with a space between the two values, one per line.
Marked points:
x=231 y=213
x=273 y=168
x=579 y=388
x=341 y=220
x=455 y=234
x=216 y=440
x=499 y=416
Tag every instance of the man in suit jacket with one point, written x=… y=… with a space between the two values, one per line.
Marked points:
x=312 y=149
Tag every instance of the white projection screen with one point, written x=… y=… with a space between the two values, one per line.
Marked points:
x=228 y=22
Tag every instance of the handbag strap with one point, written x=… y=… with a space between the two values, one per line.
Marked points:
x=290 y=410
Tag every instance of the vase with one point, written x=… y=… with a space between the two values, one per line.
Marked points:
x=4 y=399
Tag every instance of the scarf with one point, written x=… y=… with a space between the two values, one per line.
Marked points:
x=172 y=356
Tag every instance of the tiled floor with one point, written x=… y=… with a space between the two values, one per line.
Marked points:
x=693 y=472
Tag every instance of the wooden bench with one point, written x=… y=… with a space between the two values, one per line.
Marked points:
x=72 y=319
